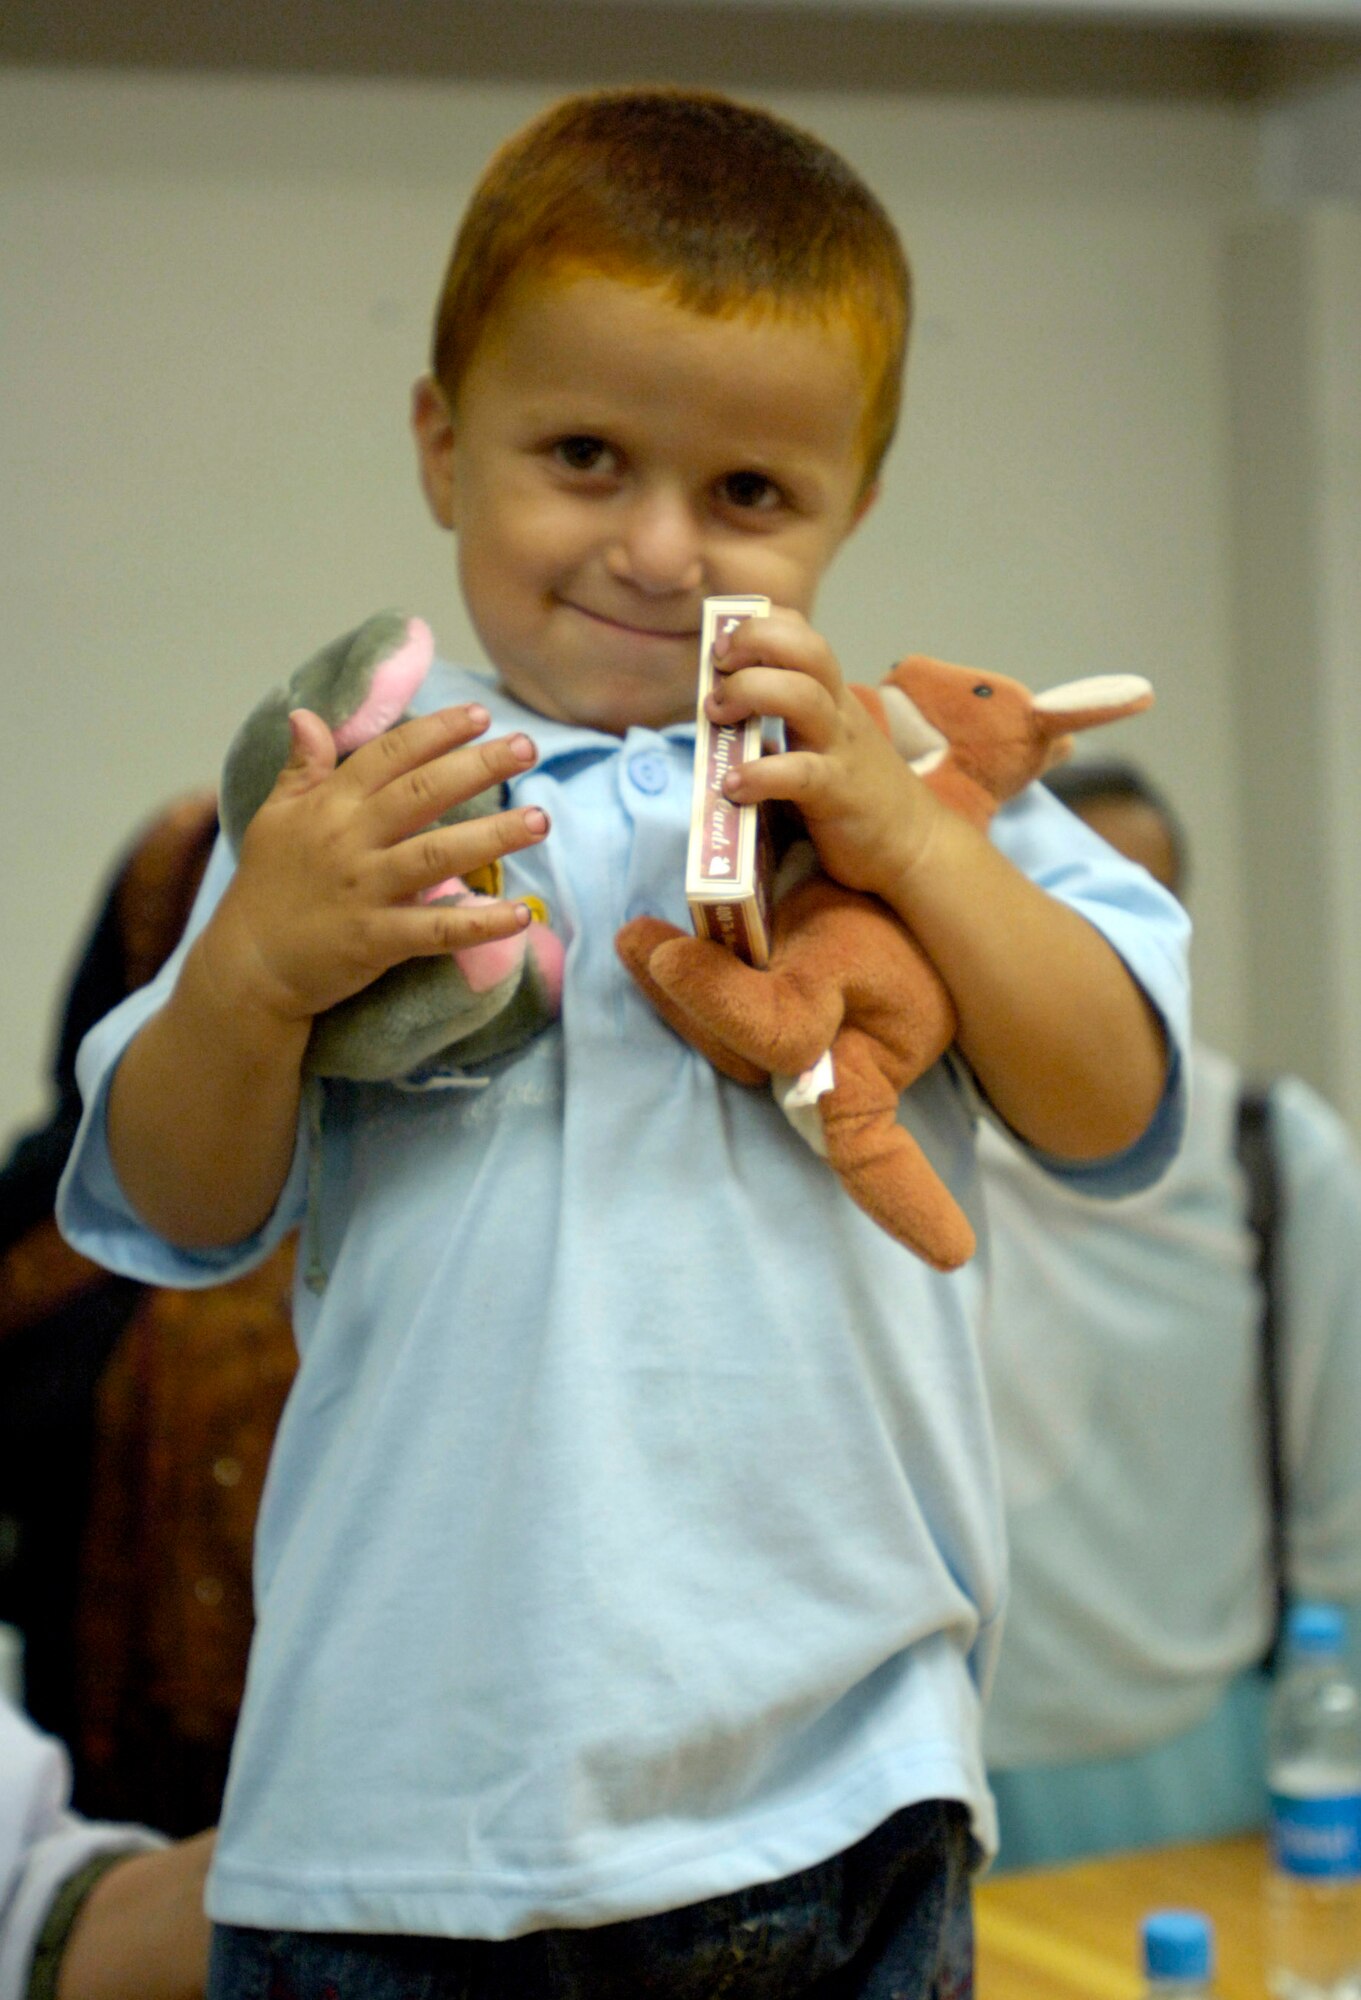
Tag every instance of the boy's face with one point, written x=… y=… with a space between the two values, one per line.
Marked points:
x=613 y=460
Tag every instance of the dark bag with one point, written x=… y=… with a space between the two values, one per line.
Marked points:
x=1257 y=1157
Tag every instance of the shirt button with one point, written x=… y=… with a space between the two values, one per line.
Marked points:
x=649 y=772
x=227 y=1471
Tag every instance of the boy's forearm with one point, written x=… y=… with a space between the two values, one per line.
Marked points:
x=203 y=1108
x=1066 y=1045
x=141 y=1933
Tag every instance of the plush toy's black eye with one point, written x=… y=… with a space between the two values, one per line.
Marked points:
x=983 y=691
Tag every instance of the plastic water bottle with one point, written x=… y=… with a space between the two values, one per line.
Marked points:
x=1178 y=1951
x=1314 y=1775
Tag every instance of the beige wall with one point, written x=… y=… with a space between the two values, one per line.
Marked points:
x=214 y=295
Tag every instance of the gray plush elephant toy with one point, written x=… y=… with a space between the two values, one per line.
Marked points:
x=428 y=1013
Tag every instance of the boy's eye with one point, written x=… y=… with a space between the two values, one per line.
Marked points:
x=582 y=454
x=750 y=490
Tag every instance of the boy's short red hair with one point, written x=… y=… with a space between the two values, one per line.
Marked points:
x=726 y=208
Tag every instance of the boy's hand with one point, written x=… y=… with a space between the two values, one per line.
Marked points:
x=1060 y=1037
x=867 y=812
x=327 y=893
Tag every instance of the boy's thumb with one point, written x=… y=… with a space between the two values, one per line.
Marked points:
x=311 y=750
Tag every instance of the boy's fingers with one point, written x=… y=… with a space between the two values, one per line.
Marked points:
x=429 y=790
x=796 y=775
x=785 y=641
x=423 y=862
x=411 y=744
x=803 y=704
x=311 y=752
x=433 y=929
x=771 y=637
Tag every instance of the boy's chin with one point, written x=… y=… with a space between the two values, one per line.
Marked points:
x=613 y=708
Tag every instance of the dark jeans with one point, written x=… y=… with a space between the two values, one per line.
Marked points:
x=890 y=1919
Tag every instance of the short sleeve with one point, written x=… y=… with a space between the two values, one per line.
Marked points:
x=93 y=1212
x=1320 y=1273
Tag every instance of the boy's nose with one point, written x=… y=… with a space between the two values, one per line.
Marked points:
x=658 y=546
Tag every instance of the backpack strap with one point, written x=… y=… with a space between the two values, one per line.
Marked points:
x=1256 y=1156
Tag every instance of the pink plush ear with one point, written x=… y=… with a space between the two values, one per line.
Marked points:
x=395 y=681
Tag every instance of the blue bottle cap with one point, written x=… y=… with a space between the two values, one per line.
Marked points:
x=1177 y=1945
x=1315 y=1628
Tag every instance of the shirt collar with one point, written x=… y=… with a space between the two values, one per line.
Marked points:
x=557 y=742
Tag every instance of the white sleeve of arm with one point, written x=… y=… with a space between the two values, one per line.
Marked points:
x=42 y=1843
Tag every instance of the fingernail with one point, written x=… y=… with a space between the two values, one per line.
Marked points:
x=536 y=819
x=523 y=915
x=732 y=783
x=478 y=716
x=523 y=749
x=721 y=644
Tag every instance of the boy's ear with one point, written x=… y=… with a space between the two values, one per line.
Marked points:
x=863 y=504
x=432 y=426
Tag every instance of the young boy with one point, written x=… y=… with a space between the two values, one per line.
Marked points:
x=630 y=1559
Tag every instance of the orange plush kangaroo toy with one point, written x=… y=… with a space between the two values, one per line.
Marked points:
x=850 y=1011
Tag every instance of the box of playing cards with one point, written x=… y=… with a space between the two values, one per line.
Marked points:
x=729 y=863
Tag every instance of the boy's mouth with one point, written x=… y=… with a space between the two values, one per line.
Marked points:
x=684 y=634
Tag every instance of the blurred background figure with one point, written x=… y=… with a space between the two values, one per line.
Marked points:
x=1179 y=1439
x=90 y=1910
x=135 y=1425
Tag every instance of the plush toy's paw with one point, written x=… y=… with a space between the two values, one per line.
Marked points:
x=636 y=942
x=429 y=1009
x=767 y=1017
x=880 y=1164
x=534 y=1004
x=483 y=965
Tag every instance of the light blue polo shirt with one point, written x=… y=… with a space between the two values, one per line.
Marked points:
x=633 y=1530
